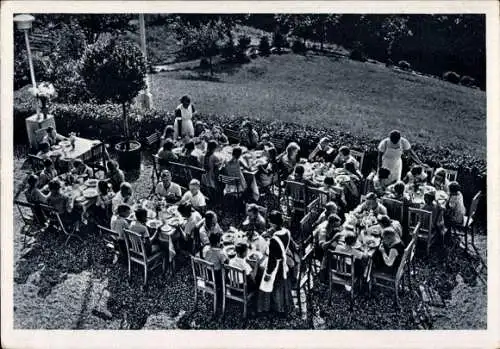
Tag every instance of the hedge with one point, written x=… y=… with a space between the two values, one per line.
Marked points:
x=104 y=122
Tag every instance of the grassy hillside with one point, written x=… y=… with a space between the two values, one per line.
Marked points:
x=363 y=98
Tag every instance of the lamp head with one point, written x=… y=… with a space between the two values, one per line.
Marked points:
x=24 y=22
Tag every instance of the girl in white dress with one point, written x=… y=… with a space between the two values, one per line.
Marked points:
x=184 y=113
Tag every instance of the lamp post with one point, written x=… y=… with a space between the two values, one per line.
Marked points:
x=24 y=23
x=145 y=98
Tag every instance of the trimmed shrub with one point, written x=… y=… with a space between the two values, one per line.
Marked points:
x=404 y=65
x=298 y=47
x=467 y=81
x=357 y=55
x=264 y=47
x=452 y=77
x=279 y=41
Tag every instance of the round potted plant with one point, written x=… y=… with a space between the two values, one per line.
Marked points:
x=114 y=71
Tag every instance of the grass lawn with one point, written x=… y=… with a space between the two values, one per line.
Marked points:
x=362 y=98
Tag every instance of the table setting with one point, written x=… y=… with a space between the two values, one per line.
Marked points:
x=233 y=237
x=416 y=194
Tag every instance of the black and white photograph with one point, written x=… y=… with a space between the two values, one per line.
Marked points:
x=248 y=171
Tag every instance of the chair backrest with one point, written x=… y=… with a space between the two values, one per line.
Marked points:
x=342 y=264
x=97 y=152
x=53 y=215
x=196 y=172
x=135 y=243
x=296 y=191
x=203 y=274
x=235 y=280
x=451 y=175
x=420 y=217
x=26 y=210
x=473 y=207
x=305 y=264
x=409 y=251
x=317 y=193
x=181 y=174
x=394 y=208
x=232 y=135
x=359 y=156
x=306 y=226
x=414 y=238
x=314 y=206
x=36 y=163
x=153 y=138
x=228 y=180
x=109 y=236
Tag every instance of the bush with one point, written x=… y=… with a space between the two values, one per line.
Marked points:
x=389 y=63
x=22 y=76
x=404 y=65
x=69 y=84
x=204 y=64
x=298 y=47
x=357 y=55
x=467 y=81
x=452 y=77
x=279 y=41
x=228 y=50
x=243 y=43
x=264 y=47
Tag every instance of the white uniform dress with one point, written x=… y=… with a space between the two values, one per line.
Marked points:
x=391 y=158
x=187 y=128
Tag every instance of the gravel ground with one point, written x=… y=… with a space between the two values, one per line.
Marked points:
x=77 y=287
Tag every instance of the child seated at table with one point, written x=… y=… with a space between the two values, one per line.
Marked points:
x=256 y=241
x=298 y=176
x=267 y=172
x=389 y=254
x=350 y=240
x=215 y=256
x=233 y=168
x=209 y=227
x=193 y=219
x=439 y=180
x=431 y=205
x=115 y=176
x=194 y=196
x=166 y=155
x=52 y=137
x=139 y=226
x=455 y=208
x=397 y=192
x=330 y=208
x=416 y=176
x=371 y=204
x=43 y=150
x=168 y=133
x=343 y=156
x=81 y=170
x=188 y=156
x=381 y=181
x=385 y=222
x=124 y=196
x=334 y=193
x=119 y=222
x=48 y=173
x=103 y=206
x=254 y=220
x=168 y=189
x=35 y=196
x=240 y=262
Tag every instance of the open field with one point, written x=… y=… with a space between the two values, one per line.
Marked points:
x=362 y=98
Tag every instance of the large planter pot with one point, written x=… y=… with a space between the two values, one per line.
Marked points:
x=129 y=159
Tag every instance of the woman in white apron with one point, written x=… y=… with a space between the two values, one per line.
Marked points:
x=183 y=124
x=275 y=291
x=390 y=151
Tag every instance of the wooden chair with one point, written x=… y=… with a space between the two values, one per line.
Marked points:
x=57 y=223
x=394 y=208
x=304 y=275
x=394 y=282
x=319 y=194
x=341 y=272
x=181 y=174
x=30 y=217
x=295 y=196
x=137 y=253
x=306 y=226
x=110 y=239
x=314 y=207
x=36 y=163
x=196 y=172
x=451 y=175
x=155 y=174
x=97 y=159
x=204 y=280
x=153 y=139
x=359 y=156
x=235 y=287
x=411 y=265
x=469 y=220
x=232 y=135
x=426 y=229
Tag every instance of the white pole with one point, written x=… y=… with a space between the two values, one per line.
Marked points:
x=32 y=69
x=142 y=27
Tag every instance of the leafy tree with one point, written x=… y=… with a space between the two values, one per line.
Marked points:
x=95 y=24
x=114 y=71
x=279 y=41
x=204 y=38
x=264 y=46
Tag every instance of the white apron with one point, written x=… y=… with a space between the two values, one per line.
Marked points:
x=391 y=160
x=187 y=128
x=267 y=286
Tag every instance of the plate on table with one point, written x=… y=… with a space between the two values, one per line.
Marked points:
x=174 y=221
x=154 y=223
x=90 y=193
x=80 y=199
x=64 y=143
x=172 y=210
x=91 y=182
x=372 y=241
x=56 y=147
x=168 y=229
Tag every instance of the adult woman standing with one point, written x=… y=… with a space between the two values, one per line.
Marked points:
x=390 y=151
x=184 y=118
x=275 y=290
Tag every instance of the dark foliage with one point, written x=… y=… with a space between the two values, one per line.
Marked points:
x=279 y=41
x=467 y=81
x=404 y=65
x=298 y=46
x=452 y=77
x=264 y=47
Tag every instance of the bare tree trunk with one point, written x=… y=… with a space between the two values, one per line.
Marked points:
x=125 y=123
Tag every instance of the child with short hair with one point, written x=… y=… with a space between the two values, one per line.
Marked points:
x=118 y=224
x=455 y=208
x=215 y=256
x=240 y=262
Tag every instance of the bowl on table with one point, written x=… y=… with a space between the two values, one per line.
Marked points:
x=230 y=251
x=154 y=223
x=65 y=144
x=91 y=182
x=56 y=147
x=90 y=193
x=80 y=199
